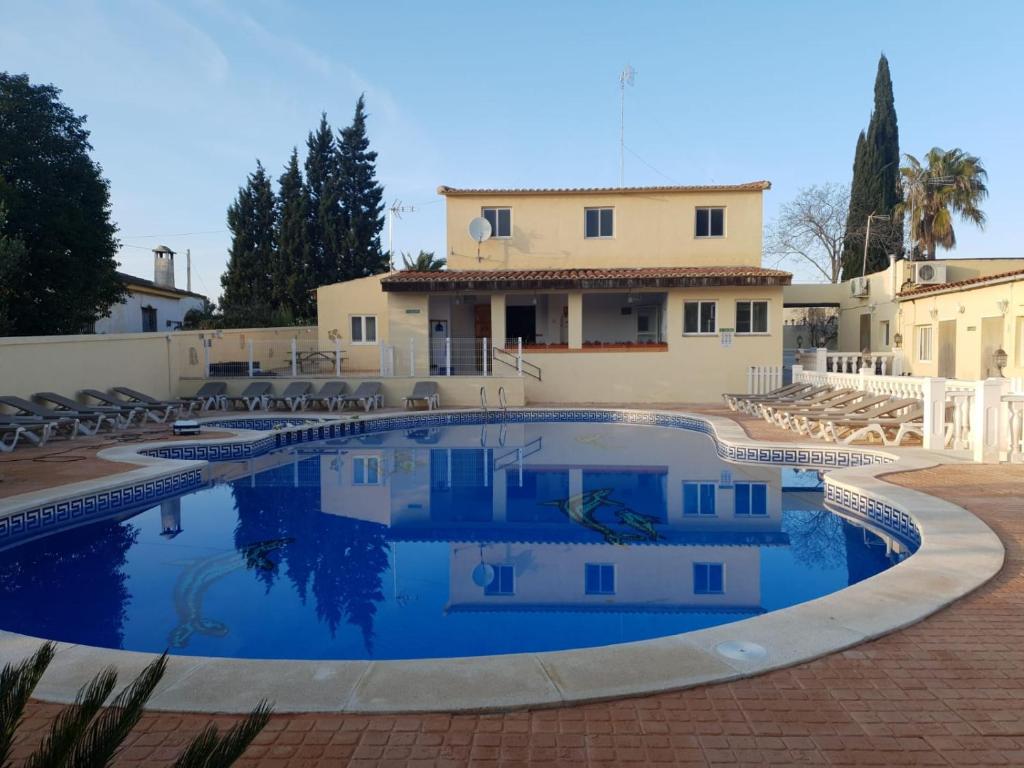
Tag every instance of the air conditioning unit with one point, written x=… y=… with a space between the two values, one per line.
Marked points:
x=929 y=273
x=860 y=287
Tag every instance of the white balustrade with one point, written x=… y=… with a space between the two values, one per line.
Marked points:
x=1015 y=423
x=763 y=378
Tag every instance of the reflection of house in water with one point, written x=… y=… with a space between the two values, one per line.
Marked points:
x=676 y=530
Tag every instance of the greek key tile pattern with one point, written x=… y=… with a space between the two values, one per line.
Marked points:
x=295 y=430
x=29 y=523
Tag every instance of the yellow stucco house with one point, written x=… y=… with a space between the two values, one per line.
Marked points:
x=639 y=294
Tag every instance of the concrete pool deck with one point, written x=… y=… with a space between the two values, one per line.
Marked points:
x=614 y=682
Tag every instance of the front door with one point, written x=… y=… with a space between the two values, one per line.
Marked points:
x=865 y=333
x=648 y=324
x=482 y=330
x=947 y=349
x=991 y=340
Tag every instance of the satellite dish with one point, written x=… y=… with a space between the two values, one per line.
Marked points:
x=480 y=229
x=483 y=575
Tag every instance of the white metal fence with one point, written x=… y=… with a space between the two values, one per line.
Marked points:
x=763 y=378
x=444 y=356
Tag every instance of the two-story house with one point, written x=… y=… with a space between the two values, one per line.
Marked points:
x=618 y=295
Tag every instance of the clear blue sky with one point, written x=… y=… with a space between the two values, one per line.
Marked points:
x=182 y=97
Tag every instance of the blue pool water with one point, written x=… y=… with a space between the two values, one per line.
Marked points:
x=445 y=541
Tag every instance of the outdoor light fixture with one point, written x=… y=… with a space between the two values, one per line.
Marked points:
x=897 y=341
x=934 y=313
x=800 y=342
x=1004 y=306
x=999 y=360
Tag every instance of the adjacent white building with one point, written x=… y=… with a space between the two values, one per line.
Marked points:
x=152 y=305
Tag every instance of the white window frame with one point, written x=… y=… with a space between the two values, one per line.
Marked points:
x=598 y=236
x=709 y=208
x=496 y=208
x=510 y=593
x=919 y=334
x=708 y=591
x=700 y=304
x=1019 y=331
x=365 y=462
x=701 y=484
x=767 y=317
x=362 y=329
x=750 y=499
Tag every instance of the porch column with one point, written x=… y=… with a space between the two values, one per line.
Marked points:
x=575 y=320
x=498 y=320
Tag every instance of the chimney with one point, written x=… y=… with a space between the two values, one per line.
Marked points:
x=163 y=266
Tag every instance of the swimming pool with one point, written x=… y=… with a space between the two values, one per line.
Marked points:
x=446 y=541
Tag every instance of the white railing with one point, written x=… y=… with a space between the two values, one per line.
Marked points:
x=821 y=360
x=983 y=417
x=763 y=378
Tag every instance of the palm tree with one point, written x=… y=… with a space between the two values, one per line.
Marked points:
x=425 y=262
x=949 y=182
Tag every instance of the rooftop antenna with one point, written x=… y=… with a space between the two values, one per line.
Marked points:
x=626 y=77
x=396 y=210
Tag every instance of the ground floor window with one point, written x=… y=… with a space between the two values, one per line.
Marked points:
x=364 y=329
x=708 y=578
x=751 y=317
x=700 y=317
x=750 y=499
x=366 y=470
x=883 y=327
x=698 y=498
x=148 y=319
x=924 y=343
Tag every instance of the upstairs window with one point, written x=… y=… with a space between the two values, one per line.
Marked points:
x=751 y=317
x=504 y=582
x=366 y=470
x=710 y=222
x=501 y=221
x=598 y=222
x=599 y=579
x=708 y=578
x=700 y=317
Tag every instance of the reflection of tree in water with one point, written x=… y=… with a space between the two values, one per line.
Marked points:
x=816 y=537
x=340 y=560
x=72 y=579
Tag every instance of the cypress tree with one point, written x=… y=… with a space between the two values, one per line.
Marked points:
x=876 y=185
x=293 y=275
x=248 y=288
x=325 y=225
x=361 y=200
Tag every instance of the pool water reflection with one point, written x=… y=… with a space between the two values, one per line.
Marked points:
x=442 y=542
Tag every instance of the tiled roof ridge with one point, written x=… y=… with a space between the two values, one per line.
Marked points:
x=919 y=290
x=749 y=186
x=584 y=272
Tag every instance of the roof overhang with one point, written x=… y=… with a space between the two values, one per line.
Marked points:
x=583 y=279
x=750 y=186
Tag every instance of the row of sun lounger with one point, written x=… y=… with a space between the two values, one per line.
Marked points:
x=836 y=415
x=49 y=414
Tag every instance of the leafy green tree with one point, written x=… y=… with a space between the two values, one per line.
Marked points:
x=949 y=182
x=426 y=261
x=13 y=261
x=362 y=203
x=293 y=273
x=63 y=276
x=252 y=219
x=876 y=187
x=87 y=734
x=325 y=221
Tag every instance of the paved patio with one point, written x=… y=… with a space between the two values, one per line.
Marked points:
x=947 y=691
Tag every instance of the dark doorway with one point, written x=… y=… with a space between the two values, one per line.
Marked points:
x=521 y=322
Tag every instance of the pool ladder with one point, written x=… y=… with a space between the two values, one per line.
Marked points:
x=502 y=402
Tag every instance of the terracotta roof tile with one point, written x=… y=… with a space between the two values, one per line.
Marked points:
x=922 y=290
x=750 y=186
x=524 y=279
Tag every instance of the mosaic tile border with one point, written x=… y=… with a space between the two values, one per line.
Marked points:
x=287 y=431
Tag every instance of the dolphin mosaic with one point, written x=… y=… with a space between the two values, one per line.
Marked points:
x=202 y=573
x=580 y=508
x=640 y=522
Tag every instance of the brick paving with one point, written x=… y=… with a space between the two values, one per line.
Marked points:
x=948 y=691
